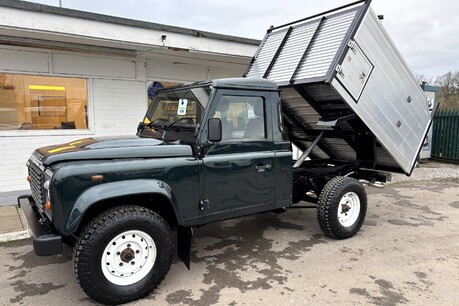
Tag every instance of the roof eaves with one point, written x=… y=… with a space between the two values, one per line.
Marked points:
x=36 y=7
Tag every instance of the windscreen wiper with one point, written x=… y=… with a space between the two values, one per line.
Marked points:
x=152 y=124
x=168 y=127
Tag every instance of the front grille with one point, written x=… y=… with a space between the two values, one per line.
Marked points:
x=36 y=183
x=37 y=156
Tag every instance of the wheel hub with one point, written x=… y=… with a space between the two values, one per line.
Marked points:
x=128 y=257
x=345 y=208
x=349 y=209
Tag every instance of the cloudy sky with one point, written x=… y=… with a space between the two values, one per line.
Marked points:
x=425 y=31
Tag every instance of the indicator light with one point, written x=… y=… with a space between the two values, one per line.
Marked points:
x=97 y=178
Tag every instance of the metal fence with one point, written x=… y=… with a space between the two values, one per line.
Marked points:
x=445 y=139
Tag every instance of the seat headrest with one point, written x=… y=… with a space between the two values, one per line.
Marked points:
x=258 y=109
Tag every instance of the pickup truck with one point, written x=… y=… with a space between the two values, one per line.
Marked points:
x=333 y=85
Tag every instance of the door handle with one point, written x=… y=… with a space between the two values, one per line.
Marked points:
x=263 y=168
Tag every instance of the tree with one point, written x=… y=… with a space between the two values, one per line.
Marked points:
x=421 y=78
x=448 y=96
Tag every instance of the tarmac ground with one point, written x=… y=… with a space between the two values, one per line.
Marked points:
x=407 y=252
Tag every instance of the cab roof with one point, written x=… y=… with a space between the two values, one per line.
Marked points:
x=253 y=83
x=241 y=83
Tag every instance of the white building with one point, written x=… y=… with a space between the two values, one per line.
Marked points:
x=430 y=91
x=67 y=74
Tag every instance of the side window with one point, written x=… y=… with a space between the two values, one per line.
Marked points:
x=242 y=117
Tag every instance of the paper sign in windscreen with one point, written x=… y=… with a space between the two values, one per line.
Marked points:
x=181 y=111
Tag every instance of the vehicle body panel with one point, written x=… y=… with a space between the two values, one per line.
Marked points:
x=111 y=148
x=73 y=183
x=95 y=170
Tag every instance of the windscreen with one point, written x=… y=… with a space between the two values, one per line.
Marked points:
x=180 y=107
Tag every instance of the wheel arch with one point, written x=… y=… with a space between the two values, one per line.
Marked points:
x=152 y=194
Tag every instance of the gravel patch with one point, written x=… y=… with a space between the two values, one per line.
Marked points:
x=429 y=170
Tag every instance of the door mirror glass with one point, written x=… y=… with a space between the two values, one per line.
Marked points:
x=215 y=130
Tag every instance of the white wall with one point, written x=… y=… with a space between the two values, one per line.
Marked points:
x=117 y=98
x=92 y=66
x=14 y=153
x=119 y=106
x=17 y=60
x=175 y=72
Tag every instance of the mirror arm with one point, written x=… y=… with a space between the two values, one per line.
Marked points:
x=208 y=144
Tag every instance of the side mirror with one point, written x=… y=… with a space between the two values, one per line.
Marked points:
x=214 y=130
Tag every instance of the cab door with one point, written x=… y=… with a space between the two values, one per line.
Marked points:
x=237 y=173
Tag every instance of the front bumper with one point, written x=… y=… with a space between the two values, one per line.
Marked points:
x=45 y=242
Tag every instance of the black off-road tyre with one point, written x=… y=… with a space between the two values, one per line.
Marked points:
x=340 y=189
x=101 y=232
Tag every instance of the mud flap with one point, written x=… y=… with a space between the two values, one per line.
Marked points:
x=184 y=238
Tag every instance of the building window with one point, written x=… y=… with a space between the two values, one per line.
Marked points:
x=29 y=102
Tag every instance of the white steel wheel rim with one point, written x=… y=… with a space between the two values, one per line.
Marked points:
x=348 y=209
x=128 y=258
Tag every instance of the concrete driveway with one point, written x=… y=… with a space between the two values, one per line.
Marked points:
x=406 y=253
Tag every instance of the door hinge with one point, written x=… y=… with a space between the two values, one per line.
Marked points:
x=339 y=70
x=204 y=204
x=351 y=45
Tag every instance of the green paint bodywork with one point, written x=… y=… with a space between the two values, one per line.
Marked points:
x=97 y=193
x=74 y=190
x=202 y=182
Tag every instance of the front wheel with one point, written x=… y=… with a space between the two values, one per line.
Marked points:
x=342 y=207
x=123 y=254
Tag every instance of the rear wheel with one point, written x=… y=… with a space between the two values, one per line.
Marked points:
x=342 y=207
x=123 y=254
